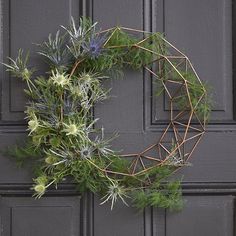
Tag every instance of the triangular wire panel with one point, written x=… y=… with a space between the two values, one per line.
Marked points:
x=181 y=127
x=147 y=162
x=172 y=72
x=154 y=43
x=182 y=116
x=177 y=68
x=168 y=135
x=149 y=57
x=156 y=65
x=178 y=133
x=175 y=96
x=190 y=145
x=154 y=70
x=181 y=99
x=191 y=70
x=141 y=165
x=197 y=121
x=173 y=75
x=134 y=165
x=165 y=150
x=128 y=158
x=175 y=158
x=170 y=147
x=172 y=51
x=179 y=65
x=175 y=89
x=152 y=152
x=160 y=45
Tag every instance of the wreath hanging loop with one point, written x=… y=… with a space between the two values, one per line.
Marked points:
x=62 y=133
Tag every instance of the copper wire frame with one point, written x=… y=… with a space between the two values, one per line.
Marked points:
x=185 y=128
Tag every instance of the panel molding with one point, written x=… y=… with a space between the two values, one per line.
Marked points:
x=188 y=188
x=16 y=210
x=155 y=18
x=234 y=55
x=12 y=96
x=151 y=217
x=213 y=215
x=87 y=214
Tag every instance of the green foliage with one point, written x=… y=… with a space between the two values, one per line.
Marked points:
x=87 y=178
x=23 y=153
x=18 y=67
x=196 y=94
x=62 y=137
x=196 y=90
x=166 y=196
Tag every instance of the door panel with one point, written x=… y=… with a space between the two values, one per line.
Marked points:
x=203 y=30
x=52 y=216
x=23 y=23
x=203 y=215
x=120 y=221
x=26 y=23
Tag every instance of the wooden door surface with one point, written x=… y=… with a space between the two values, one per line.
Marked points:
x=204 y=30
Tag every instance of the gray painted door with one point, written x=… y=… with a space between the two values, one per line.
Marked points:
x=204 y=31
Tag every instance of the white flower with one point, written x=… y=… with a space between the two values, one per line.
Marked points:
x=26 y=74
x=71 y=129
x=40 y=189
x=76 y=90
x=33 y=124
x=60 y=79
x=51 y=159
x=40 y=186
x=86 y=77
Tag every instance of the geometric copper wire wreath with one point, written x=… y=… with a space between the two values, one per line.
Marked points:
x=67 y=147
x=169 y=67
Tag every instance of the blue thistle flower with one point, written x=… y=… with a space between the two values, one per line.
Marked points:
x=94 y=47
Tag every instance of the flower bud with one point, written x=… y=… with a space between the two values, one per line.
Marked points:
x=50 y=160
x=40 y=188
x=26 y=74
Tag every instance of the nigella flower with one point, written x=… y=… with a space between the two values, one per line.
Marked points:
x=94 y=47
